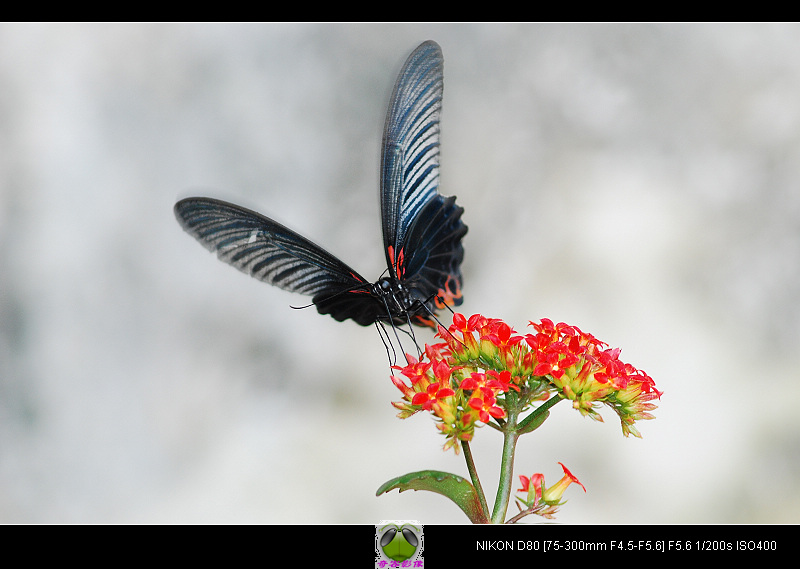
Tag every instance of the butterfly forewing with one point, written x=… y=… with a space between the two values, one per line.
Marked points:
x=265 y=249
x=422 y=230
x=410 y=158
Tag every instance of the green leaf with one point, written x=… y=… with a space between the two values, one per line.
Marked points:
x=532 y=422
x=452 y=486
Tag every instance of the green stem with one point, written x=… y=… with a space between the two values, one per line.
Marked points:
x=510 y=437
x=473 y=473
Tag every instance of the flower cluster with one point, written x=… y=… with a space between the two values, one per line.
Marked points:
x=483 y=370
x=544 y=501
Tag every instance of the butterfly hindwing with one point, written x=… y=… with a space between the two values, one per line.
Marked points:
x=432 y=253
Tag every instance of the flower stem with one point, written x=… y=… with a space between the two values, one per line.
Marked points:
x=473 y=473
x=510 y=437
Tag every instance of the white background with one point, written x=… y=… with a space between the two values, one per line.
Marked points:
x=639 y=181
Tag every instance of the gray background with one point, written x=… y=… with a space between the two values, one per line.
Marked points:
x=639 y=181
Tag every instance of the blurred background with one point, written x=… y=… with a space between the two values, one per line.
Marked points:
x=639 y=181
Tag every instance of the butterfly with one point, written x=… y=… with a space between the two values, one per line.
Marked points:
x=422 y=230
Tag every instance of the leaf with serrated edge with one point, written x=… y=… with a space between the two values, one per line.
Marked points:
x=452 y=486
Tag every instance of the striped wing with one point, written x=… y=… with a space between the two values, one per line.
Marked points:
x=422 y=230
x=410 y=160
x=272 y=253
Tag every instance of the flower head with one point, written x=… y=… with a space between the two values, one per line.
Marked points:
x=583 y=370
x=483 y=369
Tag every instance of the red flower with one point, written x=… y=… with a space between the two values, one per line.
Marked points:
x=553 y=494
x=482 y=398
x=544 y=501
x=501 y=381
x=533 y=486
x=467 y=378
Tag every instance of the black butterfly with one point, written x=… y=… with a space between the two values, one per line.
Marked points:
x=422 y=230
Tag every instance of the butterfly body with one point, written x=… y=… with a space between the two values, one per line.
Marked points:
x=422 y=230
